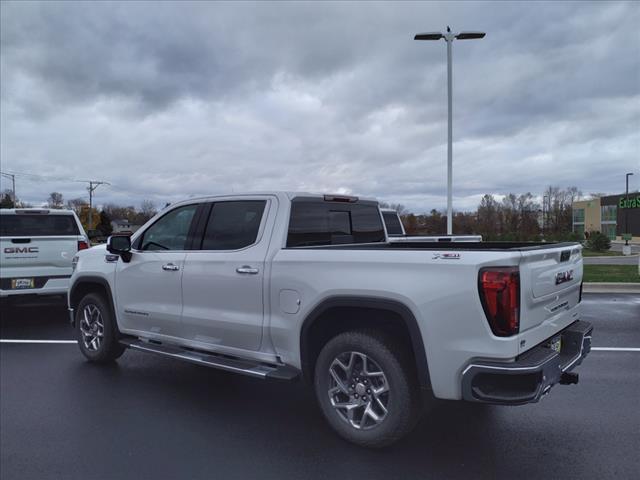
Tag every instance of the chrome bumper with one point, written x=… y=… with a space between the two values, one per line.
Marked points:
x=532 y=374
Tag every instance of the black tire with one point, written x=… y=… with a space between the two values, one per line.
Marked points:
x=402 y=400
x=106 y=348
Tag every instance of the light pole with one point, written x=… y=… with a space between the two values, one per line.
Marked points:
x=544 y=218
x=449 y=37
x=626 y=211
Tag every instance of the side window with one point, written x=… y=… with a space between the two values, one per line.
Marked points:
x=392 y=223
x=171 y=231
x=233 y=225
x=328 y=223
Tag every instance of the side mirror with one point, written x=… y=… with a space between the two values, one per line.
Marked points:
x=120 y=245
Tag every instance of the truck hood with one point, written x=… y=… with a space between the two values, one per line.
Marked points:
x=97 y=250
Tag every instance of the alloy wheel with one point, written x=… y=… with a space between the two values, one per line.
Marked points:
x=92 y=327
x=358 y=390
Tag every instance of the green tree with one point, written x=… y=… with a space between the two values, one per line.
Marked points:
x=598 y=242
x=105 y=224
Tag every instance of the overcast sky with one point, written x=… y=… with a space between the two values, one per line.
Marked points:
x=169 y=100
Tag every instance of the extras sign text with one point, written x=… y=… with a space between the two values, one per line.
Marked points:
x=629 y=203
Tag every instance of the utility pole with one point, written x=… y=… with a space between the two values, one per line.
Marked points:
x=93 y=184
x=13 y=186
x=449 y=37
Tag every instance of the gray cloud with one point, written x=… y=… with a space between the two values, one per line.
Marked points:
x=167 y=100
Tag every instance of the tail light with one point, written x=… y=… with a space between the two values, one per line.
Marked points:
x=499 y=289
x=82 y=245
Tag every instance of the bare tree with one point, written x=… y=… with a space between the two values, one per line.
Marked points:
x=595 y=195
x=55 y=200
x=77 y=204
x=148 y=209
x=398 y=207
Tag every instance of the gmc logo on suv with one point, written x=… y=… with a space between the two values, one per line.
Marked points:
x=21 y=250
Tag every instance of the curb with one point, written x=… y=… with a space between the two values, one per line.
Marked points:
x=607 y=257
x=610 y=287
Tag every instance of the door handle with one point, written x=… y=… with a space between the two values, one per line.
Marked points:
x=170 y=267
x=247 y=269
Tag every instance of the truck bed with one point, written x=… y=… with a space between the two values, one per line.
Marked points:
x=476 y=246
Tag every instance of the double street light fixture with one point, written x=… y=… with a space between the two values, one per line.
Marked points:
x=449 y=37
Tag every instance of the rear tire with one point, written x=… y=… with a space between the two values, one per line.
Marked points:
x=367 y=388
x=96 y=330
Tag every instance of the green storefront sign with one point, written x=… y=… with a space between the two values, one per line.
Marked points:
x=630 y=203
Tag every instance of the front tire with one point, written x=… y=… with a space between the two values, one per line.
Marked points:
x=367 y=388
x=96 y=330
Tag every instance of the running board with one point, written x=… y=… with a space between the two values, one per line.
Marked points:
x=221 y=362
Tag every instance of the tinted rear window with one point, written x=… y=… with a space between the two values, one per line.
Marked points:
x=25 y=225
x=233 y=225
x=391 y=221
x=333 y=223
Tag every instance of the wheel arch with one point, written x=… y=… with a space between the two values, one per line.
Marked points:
x=333 y=316
x=91 y=284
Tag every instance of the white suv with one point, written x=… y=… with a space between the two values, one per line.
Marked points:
x=38 y=246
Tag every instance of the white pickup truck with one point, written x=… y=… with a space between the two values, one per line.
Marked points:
x=38 y=246
x=294 y=285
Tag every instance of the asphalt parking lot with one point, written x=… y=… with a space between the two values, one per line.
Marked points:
x=148 y=417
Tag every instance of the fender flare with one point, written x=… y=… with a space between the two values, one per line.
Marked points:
x=376 y=303
x=92 y=279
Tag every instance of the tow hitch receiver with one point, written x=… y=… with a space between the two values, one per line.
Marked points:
x=569 y=378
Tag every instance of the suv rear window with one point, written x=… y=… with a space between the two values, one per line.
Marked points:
x=28 y=225
x=316 y=222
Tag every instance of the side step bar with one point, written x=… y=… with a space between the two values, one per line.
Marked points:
x=222 y=362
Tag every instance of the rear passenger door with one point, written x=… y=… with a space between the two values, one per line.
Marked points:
x=223 y=280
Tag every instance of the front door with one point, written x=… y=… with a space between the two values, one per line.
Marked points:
x=149 y=287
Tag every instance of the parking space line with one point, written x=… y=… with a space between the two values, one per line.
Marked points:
x=6 y=340
x=615 y=349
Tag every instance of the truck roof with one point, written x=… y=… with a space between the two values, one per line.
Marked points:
x=278 y=193
x=35 y=211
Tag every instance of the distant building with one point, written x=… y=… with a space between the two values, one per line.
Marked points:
x=123 y=225
x=608 y=215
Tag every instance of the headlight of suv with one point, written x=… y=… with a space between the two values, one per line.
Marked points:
x=74 y=263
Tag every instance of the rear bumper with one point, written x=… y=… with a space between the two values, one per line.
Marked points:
x=532 y=374
x=44 y=285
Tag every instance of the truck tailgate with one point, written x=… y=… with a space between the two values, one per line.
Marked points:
x=550 y=290
x=37 y=256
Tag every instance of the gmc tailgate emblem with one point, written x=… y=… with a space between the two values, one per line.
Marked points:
x=562 y=277
x=21 y=250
